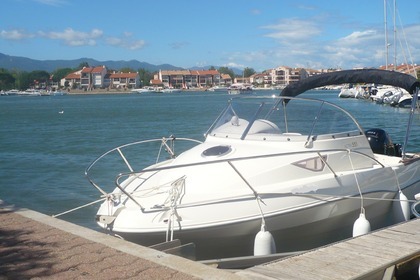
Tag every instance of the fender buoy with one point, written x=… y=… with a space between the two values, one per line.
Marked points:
x=361 y=225
x=401 y=208
x=405 y=206
x=264 y=243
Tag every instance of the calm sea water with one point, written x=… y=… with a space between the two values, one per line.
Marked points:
x=43 y=153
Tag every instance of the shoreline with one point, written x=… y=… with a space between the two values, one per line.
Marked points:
x=116 y=91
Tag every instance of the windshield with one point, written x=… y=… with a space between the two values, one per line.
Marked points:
x=283 y=116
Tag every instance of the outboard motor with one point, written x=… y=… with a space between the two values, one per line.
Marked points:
x=381 y=142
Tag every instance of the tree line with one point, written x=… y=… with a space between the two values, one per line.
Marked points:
x=21 y=80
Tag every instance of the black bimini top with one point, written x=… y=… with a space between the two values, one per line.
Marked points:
x=376 y=76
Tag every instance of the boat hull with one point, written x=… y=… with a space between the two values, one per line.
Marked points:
x=302 y=169
x=295 y=230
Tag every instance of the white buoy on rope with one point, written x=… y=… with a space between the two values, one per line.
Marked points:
x=405 y=206
x=264 y=243
x=401 y=208
x=361 y=225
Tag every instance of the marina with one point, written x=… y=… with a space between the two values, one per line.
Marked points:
x=52 y=139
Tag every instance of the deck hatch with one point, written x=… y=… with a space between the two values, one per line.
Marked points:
x=220 y=150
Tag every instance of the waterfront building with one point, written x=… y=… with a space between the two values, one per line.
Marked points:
x=90 y=78
x=411 y=69
x=124 y=80
x=71 y=79
x=282 y=75
x=225 y=79
x=189 y=78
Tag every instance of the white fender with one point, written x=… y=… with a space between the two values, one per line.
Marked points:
x=264 y=243
x=361 y=225
x=405 y=206
x=401 y=208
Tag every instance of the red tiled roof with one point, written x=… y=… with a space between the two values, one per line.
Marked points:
x=123 y=75
x=87 y=69
x=208 y=72
x=73 y=76
x=175 y=72
x=98 y=69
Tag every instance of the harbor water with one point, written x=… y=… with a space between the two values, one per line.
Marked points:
x=46 y=143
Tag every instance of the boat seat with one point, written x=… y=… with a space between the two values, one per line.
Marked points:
x=238 y=126
x=264 y=126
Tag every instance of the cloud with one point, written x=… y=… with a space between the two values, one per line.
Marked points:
x=72 y=37
x=125 y=41
x=291 y=30
x=351 y=51
x=178 y=45
x=234 y=65
x=15 y=35
x=75 y=38
x=359 y=37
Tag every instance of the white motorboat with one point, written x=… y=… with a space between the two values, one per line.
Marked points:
x=171 y=90
x=219 y=88
x=13 y=92
x=240 y=88
x=143 y=90
x=30 y=92
x=349 y=91
x=404 y=101
x=274 y=174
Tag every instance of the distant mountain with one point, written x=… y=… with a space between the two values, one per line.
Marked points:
x=27 y=64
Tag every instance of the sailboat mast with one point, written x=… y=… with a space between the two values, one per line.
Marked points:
x=395 y=36
x=386 y=35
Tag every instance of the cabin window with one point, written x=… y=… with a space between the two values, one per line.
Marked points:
x=315 y=164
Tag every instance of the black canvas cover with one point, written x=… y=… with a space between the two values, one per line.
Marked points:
x=383 y=77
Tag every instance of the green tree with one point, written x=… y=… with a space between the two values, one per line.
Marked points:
x=22 y=80
x=145 y=76
x=7 y=81
x=226 y=70
x=83 y=64
x=39 y=77
x=60 y=73
x=248 y=72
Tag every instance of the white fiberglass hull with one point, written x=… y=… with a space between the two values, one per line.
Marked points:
x=214 y=208
x=305 y=174
x=295 y=230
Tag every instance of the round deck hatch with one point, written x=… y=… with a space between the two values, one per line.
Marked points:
x=217 y=151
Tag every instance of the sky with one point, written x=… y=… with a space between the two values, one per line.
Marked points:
x=261 y=34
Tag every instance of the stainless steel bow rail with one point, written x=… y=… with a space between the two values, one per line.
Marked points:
x=169 y=147
x=166 y=144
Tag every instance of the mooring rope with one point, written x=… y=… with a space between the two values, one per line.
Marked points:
x=80 y=207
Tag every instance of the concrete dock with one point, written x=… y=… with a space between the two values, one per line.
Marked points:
x=37 y=246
